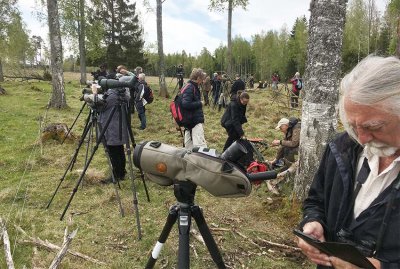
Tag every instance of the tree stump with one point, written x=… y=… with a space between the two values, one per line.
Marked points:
x=2 y=91
x=56 y=131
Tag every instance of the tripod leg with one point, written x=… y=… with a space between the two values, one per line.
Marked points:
x=171 y=219
x=184 y=229
x=129 y=153
x=207 y=236
x=115 y=183
x=89 y=160
x=71 y=163
x=124 y=114
x=72 y=126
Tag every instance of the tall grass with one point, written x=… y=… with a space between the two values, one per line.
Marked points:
x=31 y=170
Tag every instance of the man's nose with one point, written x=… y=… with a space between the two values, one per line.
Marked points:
x=364 y=136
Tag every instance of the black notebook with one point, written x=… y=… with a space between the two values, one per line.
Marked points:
x=343 y=251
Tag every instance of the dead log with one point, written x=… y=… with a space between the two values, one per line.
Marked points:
x=56 y=131
x=7 y=248
x=64 y=248
x=45 y=244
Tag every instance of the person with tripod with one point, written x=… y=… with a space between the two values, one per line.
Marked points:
x=179 y=75
x=193 y=109
x=115 y=136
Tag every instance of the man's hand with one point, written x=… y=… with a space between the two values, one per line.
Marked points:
x=316 y=230
x=341 y=264
x=276 y=142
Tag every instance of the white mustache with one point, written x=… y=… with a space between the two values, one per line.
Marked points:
x=380 y=149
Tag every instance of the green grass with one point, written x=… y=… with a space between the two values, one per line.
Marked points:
x=30 y=172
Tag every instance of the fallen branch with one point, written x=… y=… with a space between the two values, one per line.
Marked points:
x=278 y=245
x=53 y=247
x=64 y=248
x=7 y=249
x=197 y=236
x=249 y=239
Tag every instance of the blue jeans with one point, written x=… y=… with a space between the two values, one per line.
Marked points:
x=142 y=118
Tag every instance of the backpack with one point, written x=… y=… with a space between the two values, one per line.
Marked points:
x=299 y=84
x=148 y=94
x=176 y=108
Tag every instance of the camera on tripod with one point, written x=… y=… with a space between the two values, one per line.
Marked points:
x=179 y=72
x=220 y=175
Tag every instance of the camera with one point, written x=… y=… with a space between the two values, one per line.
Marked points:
x=179 y=71
x=219 y=175
x=366 y=247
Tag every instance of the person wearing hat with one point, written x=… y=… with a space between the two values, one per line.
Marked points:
x=289 y=145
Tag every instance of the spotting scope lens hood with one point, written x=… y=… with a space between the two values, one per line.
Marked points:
x=123 y=82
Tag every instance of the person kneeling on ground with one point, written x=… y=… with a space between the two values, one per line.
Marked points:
x=289 y=145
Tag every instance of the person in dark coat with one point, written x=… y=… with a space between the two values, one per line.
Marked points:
x=234 y=117
x=114 y=139
x=193 y=110
x=238 y=85
x=355 y=194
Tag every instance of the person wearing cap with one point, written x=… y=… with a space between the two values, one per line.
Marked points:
x=289 y=145
x=238 y=85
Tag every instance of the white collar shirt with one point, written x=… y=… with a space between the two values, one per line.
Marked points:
x=375 y=183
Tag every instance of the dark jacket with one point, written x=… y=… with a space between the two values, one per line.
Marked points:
x=238 y=85
x=290 y=144
x=330 y=195
x=191 y=104
x=112 y=134
x=234 y=116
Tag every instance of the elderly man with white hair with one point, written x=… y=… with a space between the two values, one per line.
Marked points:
x=355 y=195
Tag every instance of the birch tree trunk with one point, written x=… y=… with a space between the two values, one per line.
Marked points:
x=319 y=115
x=82 y=50
x=58 y=97
x=161 y=63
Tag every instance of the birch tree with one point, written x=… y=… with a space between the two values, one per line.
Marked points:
x=220 y=5
x=58 y=97
x=319 y=115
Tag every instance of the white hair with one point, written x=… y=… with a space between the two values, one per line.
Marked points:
x=375 y=81
x=142 y=76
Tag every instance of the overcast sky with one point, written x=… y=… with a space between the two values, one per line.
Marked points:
x=189 y=25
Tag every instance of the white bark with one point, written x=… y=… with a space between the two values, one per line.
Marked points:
x=7 y=245
x=319 y=114
x=58 y=96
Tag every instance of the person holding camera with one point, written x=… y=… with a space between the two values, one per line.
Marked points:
x=234 y=117
x=354 y=197
x=193 y=109
x=116 y=134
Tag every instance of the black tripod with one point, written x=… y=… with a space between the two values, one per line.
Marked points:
x=121 y=106
x=90 y=125
x=184 y=192
x=179 y=84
